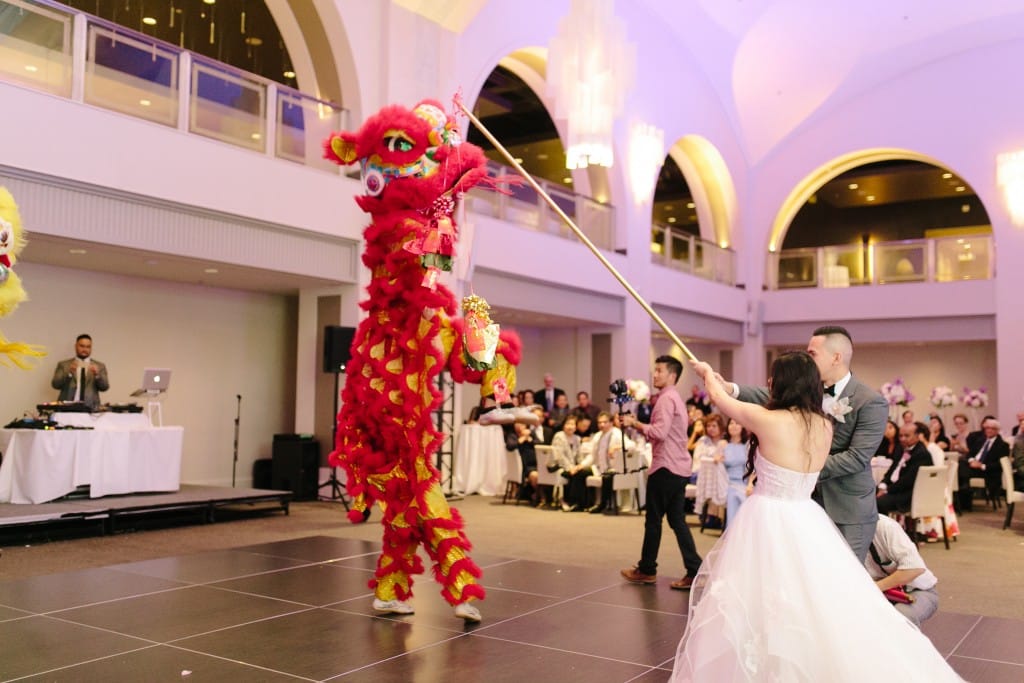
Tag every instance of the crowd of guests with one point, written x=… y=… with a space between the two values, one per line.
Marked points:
x=587 y=441
x=979 y=453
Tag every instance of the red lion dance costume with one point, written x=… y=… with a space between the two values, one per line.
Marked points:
x=413 y=169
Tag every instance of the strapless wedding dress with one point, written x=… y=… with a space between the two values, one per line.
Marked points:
x=781 y=597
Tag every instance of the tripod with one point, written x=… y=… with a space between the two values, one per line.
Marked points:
x=335 y=483
x=238 y=419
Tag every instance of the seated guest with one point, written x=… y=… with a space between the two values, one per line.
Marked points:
x=583 y=405
x=524 y=443
x=908 y=417
x=605 y=458
x=474 y=413
x=961 y=432
x=542 y=433
x=1016 y=427
x=712 y=479
x=937 y=433
x=735 y=460
x=889 y=448
x=893 y=560
x=696 y=431
x=585 y=427
x=976 y=439
x=526 y=398
x=558 y=413
x=81 y=378
x=569 y=460
x=983 y=462
x=1017 y=461
x=897 y=486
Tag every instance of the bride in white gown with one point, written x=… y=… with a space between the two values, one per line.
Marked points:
x=781 y=597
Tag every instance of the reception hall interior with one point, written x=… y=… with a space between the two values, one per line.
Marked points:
x=752 y=169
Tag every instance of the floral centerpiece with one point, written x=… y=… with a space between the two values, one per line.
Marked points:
x=638 y=390
x=942 y=397
x=974 y=398
x=897 y=395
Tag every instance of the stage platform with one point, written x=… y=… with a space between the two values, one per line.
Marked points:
x=94 y=516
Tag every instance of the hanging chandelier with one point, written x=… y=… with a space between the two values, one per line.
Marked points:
x=590 y=70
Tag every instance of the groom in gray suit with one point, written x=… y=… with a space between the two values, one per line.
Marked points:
x=846 y=488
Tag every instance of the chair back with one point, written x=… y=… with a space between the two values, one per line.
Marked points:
x=952 y=467
x=546 y=454
x=1004 y=462
x=879 y=466
x=513 y=466
x=929 y=496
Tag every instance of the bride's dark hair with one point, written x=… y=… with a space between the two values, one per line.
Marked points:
x=795 y=384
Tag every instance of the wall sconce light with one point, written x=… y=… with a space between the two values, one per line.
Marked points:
x=1010 y=177
x=590 y=69
x=646 y=156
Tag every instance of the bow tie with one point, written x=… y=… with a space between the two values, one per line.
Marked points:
x=831 y=391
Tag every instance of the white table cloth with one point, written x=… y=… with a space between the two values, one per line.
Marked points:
x=480 y=460
x=43 y=465
x=103 y=420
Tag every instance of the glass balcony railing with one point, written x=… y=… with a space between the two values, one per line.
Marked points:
x=525 y=207
x=674 y=248
x=35 y=47
x=937 y=259
x=55 y=49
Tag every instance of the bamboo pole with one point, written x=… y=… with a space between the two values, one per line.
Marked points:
x=579 y=233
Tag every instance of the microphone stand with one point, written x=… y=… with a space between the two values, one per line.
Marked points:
x=335 y=483
x=238 y=419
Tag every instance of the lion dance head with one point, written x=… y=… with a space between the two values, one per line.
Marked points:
x=12 y=242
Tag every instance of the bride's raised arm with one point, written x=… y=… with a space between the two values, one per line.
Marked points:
x=750 y=415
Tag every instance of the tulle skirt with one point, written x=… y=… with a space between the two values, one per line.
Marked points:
x=781 y=597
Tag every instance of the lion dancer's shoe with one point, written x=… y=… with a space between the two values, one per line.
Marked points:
x=466 y=611
x=508 y=415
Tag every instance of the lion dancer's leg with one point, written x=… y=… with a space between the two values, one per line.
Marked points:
x=448 y=547
x=398 y=561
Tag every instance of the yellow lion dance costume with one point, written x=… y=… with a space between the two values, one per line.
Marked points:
x=12 y=241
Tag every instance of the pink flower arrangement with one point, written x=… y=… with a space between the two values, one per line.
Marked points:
x=974 y=398
x=896 y=393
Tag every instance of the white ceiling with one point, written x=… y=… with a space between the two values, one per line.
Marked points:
x=776 y=63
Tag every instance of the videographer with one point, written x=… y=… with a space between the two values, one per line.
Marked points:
x=666 y=479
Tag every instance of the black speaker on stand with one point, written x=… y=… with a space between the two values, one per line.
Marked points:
x=337 y=353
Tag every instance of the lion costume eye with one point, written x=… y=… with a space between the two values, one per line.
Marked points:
x=398 y=142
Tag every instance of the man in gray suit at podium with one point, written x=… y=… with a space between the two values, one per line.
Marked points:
x=846 y=488
x=81 y=378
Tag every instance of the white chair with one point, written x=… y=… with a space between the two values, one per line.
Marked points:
x=978 y=483
x=628 y=481
x=1013 y=496
x=879 y=466
x=513 y=476
x=546 y=454
x=928 y=499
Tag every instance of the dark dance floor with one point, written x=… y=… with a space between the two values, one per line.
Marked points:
x=301 y=610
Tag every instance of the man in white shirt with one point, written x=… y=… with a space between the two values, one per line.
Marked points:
x=893 y=560
x=605 y=456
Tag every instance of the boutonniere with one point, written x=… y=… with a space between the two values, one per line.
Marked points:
x=837 y=409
